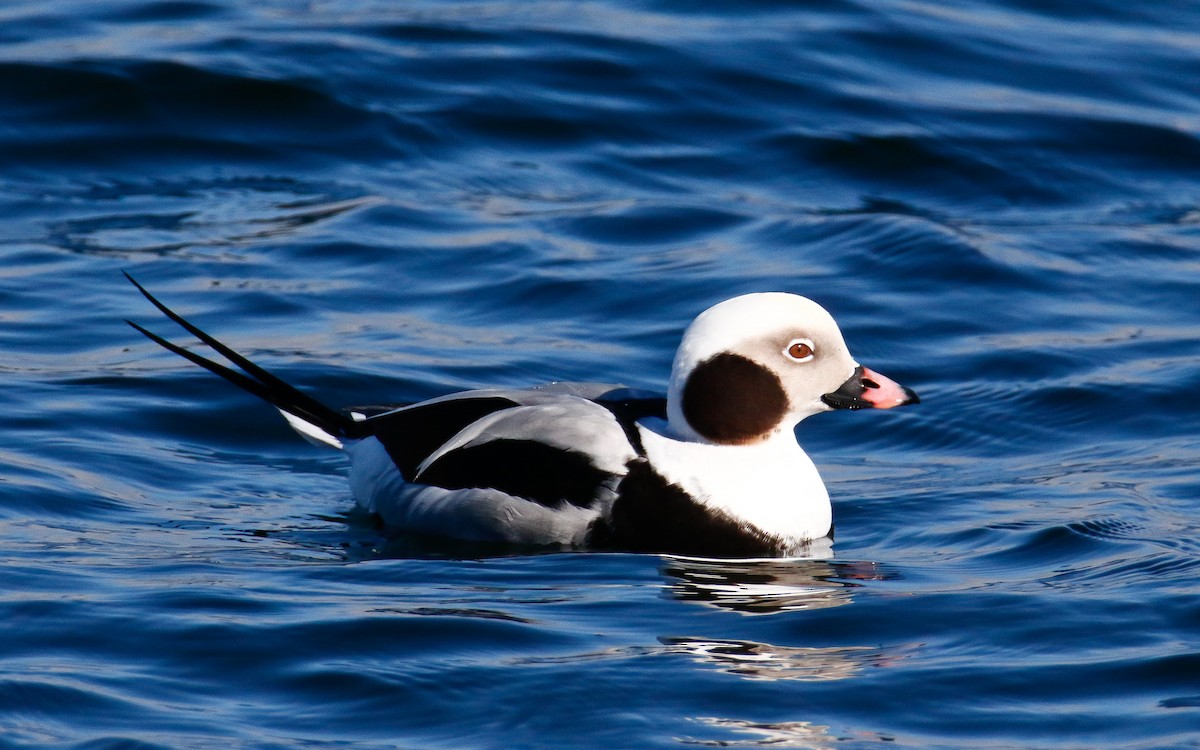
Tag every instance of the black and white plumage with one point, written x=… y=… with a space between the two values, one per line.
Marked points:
x=713 y=469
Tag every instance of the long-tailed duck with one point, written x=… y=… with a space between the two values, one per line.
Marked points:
x=713 y=469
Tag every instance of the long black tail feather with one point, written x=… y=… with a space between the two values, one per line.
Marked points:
x=256 y=380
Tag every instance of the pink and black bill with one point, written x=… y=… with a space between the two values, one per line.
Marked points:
x=867 y=389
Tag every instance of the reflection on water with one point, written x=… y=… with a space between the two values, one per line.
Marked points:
x=760 y=587
x=800 y=734
x=764 y=661
x=765 y=587
x=794 y=734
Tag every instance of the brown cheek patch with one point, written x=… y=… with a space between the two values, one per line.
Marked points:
x=730 y=399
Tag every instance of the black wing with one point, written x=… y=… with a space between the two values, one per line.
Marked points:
x=410 y=434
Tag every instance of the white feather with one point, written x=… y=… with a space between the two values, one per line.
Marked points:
x=311 y=432
x=772 y=485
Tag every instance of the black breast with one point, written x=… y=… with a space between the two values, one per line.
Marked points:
x=652 y=515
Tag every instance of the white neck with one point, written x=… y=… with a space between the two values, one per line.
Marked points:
x=772 y=485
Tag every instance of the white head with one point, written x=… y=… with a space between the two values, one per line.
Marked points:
x=753 y=366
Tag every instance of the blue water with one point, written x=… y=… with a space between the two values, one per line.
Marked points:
x=388 y=201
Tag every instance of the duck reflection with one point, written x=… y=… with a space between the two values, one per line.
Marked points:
x=761 y=587
x=764 y=661
x=791 y=734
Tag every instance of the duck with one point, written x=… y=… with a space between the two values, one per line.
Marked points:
x=710 y=469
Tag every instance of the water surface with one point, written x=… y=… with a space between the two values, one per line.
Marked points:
x=998 y=201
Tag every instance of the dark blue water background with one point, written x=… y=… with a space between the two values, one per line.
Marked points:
x=387 y=201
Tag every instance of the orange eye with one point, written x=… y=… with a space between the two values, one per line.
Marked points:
x=800 y=350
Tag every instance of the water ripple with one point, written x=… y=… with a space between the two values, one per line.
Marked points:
x=385 y=202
